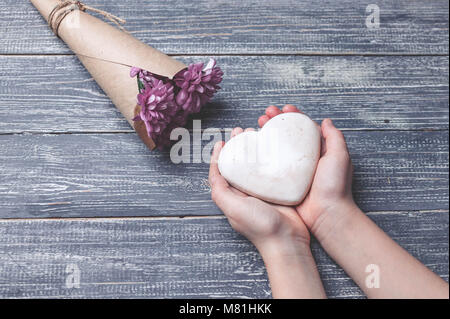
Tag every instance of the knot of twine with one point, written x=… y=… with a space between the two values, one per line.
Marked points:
x=61 y=10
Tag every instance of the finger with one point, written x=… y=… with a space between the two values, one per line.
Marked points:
x=334 y=139
x=221 y=193
x=263 y=120
x=249 y=129
x=323 y=146
x=215 y=178
x=272 y=111
x=236 y=131
x=288 y=108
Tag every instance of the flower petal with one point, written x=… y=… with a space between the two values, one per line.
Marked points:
x=134 y=71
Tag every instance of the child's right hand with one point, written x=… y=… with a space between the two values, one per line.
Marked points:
x=330 y=197
x=379 y=266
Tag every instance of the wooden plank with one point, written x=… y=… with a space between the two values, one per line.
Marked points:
x=56 y=94
x=103 y=175
x=175 y=258
x=224 y=27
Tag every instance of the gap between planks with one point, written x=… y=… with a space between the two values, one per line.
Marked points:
x=178 y=217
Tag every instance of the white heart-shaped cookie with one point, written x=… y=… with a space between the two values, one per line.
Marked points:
x=277 y=163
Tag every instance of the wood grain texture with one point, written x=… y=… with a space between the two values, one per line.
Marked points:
x=103 y=175
x=250 y=27
x=175 y=258
x=395 y=93
x=63 y=154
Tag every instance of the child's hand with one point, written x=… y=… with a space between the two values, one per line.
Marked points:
x=331 y=189
x=278 y=232
x=267 y=226
x=348 y=235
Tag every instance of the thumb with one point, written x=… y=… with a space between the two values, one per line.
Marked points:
x=221 y=193
x=334 y=139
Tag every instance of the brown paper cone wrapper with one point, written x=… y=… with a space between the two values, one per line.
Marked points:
x=98 y=44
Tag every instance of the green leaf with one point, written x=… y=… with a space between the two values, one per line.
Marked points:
x=140 y=85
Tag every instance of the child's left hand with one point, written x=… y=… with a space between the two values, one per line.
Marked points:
x=266 y=225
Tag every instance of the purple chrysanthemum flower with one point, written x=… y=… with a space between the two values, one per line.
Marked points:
x=135 y=71
x=146 y=76
x=197 y=85
x=166 y=104
x=157 y=106
x=178 y=120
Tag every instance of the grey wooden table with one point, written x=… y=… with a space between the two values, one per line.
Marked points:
x=80 y=194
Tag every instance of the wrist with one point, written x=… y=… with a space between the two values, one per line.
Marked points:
x=284 y=248
x=291 y=269
x=334 y=219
